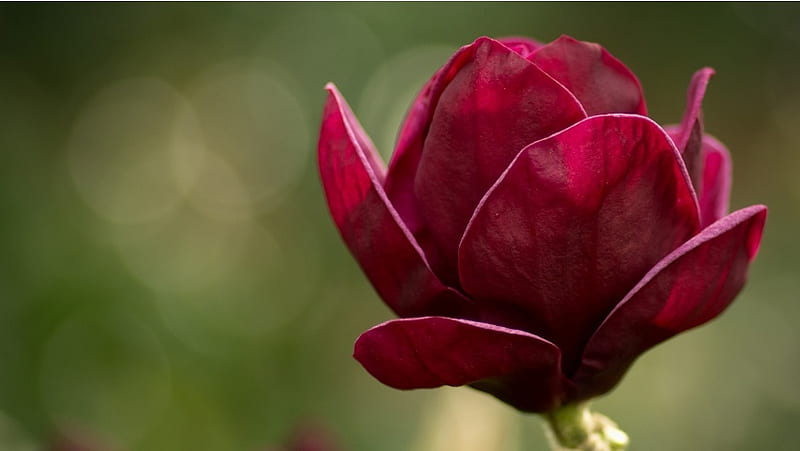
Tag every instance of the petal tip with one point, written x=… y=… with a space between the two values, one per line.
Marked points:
x=566 y=37
x=707 y=71
x=481 y=40
x=756 y=230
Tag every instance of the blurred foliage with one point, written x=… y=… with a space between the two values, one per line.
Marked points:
x=170 y=278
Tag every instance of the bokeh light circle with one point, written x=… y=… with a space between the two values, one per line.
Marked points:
x=120 y=150
x=184 y=252
x=256 y=136
x=272 y=287
x=319 y=45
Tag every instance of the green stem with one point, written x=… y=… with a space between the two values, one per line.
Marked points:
x=575 y=427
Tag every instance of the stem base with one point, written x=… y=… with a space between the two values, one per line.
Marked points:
x=575 y=427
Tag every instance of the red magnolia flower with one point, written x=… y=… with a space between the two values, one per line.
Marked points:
x=535 y=230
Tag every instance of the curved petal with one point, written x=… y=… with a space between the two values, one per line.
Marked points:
x=351 y=172
x=716 y=185
x=602 y=83
x=403 y=166
x=518 y=367
x=497 y=103
x=689 y=287
x=689 y=136
x=575 y=221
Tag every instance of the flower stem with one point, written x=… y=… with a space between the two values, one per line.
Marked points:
x=575 y=427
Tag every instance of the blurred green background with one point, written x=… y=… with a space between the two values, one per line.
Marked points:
x=169 y=276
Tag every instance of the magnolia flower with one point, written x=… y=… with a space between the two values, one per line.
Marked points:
x=535 y=230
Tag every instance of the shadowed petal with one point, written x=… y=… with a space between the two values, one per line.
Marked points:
x=716 y=185
x=713 y=186
x=689 y=135
x=434 y=351
x=494 y=105
x=403 y=166
x=600 y=82
x=575 y=221
x=351 y=173
x=689 y=287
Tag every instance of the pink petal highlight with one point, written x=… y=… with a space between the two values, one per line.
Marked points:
x=602 y=83
x=716 y=183
x=689 y=287
x=518 y=367
x=575 y=221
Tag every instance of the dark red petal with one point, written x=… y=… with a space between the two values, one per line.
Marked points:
x=716 y=185
x=434 y=351
x=689 y=136
x=351 y=173
x=601 y=82
x=575 y=221
x=689 y=287
x=713 y=185
x=496 y=104
x=403 y=166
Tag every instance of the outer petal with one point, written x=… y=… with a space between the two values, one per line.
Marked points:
x=689 y=135
x=517 y=367
x=716 y=185
x=494 y=105
x=575 y=221
x=601 y=82
x=351 y=172
x=689 y=287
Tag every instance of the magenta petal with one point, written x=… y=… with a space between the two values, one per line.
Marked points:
x=602 y=83
x=351 y=173
x=689 y=287
x=575 y=221
x=716 y=185
x=434 y=351
x=496 y=104
x=689 y=136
